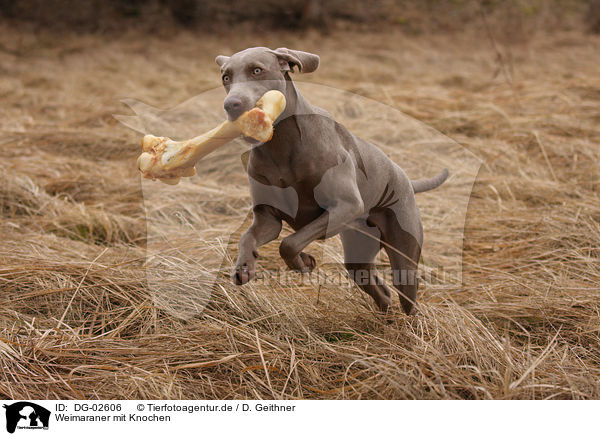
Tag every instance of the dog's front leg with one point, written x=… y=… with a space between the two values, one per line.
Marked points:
x=338 y=194
x=264 y=228
x=330 y=223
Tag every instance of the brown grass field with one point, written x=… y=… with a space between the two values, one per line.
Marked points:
x=79 y=317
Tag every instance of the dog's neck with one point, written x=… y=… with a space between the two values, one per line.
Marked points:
x=285 y=139
x=296 y=104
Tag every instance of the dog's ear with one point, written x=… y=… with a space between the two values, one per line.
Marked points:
x=220 y=60
x=306 y=62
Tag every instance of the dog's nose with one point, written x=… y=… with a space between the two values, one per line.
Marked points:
x=233 y=107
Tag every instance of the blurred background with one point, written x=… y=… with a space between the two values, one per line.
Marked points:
x=518 y=16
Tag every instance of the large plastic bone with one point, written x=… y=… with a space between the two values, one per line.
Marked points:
x=168 y=160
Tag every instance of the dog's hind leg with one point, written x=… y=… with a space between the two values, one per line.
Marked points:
x=402 y=238
x=361 y=244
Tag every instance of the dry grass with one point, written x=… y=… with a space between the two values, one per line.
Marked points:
x=80 y=319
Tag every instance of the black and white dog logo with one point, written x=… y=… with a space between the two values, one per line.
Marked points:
x=26 y=415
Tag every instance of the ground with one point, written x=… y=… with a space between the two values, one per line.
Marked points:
x=78 y=315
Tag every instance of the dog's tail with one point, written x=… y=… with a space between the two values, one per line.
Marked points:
x=423 y=185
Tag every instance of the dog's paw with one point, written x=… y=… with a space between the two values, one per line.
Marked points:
x=309 y=262
x=303 y=263
x=390 y=314
x=242 y=274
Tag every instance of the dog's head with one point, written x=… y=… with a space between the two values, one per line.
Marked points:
x=248 y=74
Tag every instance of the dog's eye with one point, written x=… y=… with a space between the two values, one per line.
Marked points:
x=257 y=71
x=226 y=78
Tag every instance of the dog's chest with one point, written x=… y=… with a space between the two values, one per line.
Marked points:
x=276 y=165
x=285 y=184
x=271 y=173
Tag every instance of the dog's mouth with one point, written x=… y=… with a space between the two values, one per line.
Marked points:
x=251 y=140
x=168 y=160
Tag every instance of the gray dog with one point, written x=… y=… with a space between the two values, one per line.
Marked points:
x=322 y=180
